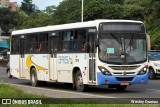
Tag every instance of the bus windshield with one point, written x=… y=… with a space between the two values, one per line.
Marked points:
x=122 y=48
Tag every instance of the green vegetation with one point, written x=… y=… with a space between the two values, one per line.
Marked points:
x=7 y=91
x=69 y=11
x=8 y=20
x=28 y=7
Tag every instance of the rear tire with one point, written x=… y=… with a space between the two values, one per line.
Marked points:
x=151 y=74
x=79 y=82
x=121 y=88
x=33 y=77
x=9 y=73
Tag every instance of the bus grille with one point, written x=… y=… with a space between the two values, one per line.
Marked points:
x=124 y=67
x=121 y=73
x=124 y=79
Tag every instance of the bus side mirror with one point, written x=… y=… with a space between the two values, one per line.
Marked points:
x=97 y=43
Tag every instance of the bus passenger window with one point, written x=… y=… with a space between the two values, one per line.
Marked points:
x=27 y=49
x=31 y=48
x=42 y=45
x=33 y=42
x=15 y=45
x=67 y=39
x=38 y=47
x=80 y=41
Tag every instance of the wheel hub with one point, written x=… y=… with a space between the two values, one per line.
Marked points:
x=33 y=79
x=79 y=82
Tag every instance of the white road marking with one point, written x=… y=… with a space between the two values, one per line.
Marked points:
x=99 y=96
x=153 y=89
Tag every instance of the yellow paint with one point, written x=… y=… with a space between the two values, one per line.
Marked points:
x=29 y=63
x=40 y=68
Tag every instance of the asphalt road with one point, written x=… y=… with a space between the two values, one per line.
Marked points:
x=151 y=90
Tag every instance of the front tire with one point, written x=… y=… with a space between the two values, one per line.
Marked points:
x=9 y=73
x=79 y=82
x=151 y=74
x=33 y=78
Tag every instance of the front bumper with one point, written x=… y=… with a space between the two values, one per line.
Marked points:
x=113 y=80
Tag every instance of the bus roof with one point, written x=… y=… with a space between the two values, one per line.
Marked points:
x=68 y=26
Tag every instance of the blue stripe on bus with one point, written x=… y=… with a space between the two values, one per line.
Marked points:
x=137 y=79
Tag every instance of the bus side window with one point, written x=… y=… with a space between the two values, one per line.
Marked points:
x=15 y=45
x=42 y=44
x=27 y=49
x=79 y=44
x=60 y=42
x=67 y=41
x=33 y=43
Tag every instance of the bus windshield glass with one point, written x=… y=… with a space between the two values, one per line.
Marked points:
x=122 y=48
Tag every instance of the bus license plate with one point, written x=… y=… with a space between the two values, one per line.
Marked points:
x=124 y=83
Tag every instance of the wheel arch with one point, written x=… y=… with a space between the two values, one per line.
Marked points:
x=150 y=67
x=31 y=69
x=74 y=71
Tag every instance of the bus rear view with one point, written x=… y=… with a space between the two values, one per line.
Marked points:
x=122 y=54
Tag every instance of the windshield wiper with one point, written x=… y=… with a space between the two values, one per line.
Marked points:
x=119 y=41
x=130 y=42
x=116 y=39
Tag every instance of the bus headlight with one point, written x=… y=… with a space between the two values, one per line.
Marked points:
x=143 y=70
x=104 y=70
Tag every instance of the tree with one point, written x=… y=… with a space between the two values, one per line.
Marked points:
x=68 y=11
x=116 y=1
x=94 y=9
x=34 y=20
x=8 y=20
x=28 y=7
x=50 y=10
x=133 y=12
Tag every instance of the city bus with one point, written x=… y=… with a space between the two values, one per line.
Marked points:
x=104 y=52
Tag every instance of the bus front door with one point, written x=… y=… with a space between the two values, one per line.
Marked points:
x=22 y=57
x=53 y=58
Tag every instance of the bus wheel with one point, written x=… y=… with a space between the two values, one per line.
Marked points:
x=9 y=73
x=151 y=74
x=121 y=88
x=33 y=78
x=79 y=82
